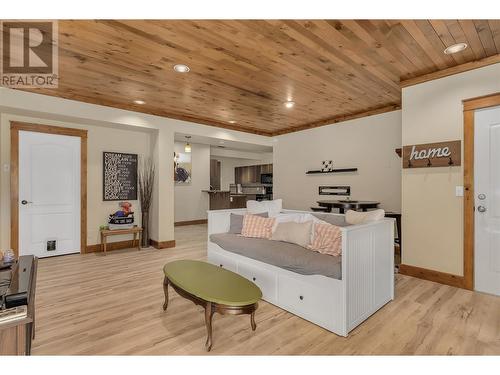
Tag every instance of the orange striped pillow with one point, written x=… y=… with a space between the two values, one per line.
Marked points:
x=327 y=239
x=257 y=226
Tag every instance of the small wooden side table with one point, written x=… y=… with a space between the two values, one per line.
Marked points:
x=105 y=233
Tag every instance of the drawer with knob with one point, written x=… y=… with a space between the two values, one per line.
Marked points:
x=305 y=299
x=265 y=280
x=222 y=261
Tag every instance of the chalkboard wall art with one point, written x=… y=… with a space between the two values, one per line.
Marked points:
x=119 y=176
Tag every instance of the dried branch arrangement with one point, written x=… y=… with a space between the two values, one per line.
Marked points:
x=146 y=179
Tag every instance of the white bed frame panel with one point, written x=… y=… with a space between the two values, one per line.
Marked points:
x=338 y=305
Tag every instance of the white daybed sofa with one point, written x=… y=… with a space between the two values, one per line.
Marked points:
x=366 y=284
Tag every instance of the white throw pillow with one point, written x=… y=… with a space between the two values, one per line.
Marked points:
x=297 y=233
x=297 y=217
x=356 y=217
x=273 y=208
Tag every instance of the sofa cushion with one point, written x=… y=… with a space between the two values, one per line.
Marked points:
x=356 y=217
x=285 y=255
x=297 y=233
x=236 y=222
x=327 y=239
x=273 y=208
x=257 y=226
x=335 y=219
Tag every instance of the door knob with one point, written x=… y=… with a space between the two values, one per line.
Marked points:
x=481 y=196
x=481 y=209
x=24 y=202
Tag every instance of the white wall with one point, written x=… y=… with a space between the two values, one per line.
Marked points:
x=190 y=202
x=228 y=165
x=367 y=143
x=432 y=214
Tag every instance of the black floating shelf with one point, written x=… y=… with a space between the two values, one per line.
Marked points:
x=340 y=170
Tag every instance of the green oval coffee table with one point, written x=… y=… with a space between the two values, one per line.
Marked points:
x=214 y=288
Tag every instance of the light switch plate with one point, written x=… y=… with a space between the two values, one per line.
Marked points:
x=459 y=191
x=6 y=167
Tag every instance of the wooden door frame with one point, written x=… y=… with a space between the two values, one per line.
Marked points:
x=469 y=106
x=15 y=127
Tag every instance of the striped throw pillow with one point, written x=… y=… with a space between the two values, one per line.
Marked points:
x=327 y=239
x=257 y=226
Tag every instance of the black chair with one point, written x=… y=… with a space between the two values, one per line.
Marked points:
x=320 y=209
x=396 y=216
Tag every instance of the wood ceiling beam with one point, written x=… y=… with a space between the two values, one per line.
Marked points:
x=341 y=118
x=451 y=71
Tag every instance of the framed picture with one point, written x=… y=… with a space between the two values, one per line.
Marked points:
x=182 y=168
x=119 y=176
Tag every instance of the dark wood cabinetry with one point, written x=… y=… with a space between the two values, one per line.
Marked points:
x=266 y=168
x=251 y=174
x=214 y=174
x=238 y=201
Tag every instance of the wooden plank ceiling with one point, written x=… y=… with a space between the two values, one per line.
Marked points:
x=244 y=71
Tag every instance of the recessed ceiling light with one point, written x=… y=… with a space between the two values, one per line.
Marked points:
x=140 y=102
x=454 y=48
x=181 y=68
x=232 y=122
x=289 y=104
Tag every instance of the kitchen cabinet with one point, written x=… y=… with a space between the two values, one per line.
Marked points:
x=214 y=174
x=251 y=174
x=266 y=168
x=238 y=201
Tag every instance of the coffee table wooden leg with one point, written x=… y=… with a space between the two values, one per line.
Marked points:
x=208 y=323
x=252 y=321
x=165 y=290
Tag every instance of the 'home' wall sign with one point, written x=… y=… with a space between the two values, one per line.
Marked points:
x=442 y=154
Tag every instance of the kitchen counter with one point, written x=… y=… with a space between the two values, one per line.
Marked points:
x=218 y=199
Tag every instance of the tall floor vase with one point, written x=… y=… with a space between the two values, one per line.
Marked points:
x=145 y=229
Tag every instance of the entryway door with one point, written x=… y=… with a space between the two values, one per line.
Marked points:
x=49 y=194
x=487 y=200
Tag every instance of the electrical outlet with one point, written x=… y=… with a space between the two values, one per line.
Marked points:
x=6 y=167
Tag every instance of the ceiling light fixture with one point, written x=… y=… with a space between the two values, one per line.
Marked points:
x=454 y=48
x=140 y=102
x=289 y=104
x=232 y=122
x=181 y=68
x=187 y=147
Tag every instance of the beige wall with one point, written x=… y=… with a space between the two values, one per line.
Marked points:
x=367 y=143
x=99 y=139
x=190 y=202
x=432 y=214
x=160 y=145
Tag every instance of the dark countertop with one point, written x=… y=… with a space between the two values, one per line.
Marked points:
x=215 y=191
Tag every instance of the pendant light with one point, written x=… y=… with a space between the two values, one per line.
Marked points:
x=187 y=147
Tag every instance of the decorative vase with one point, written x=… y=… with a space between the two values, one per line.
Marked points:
x=145 y=229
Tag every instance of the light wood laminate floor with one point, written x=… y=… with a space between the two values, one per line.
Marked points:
x=91 y=304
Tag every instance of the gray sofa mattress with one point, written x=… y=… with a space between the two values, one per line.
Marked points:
x=285 y=255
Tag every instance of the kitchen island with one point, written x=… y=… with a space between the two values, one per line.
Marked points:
x=224 y=199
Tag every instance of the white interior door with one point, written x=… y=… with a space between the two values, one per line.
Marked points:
x=49 y=194
x=487 y=200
